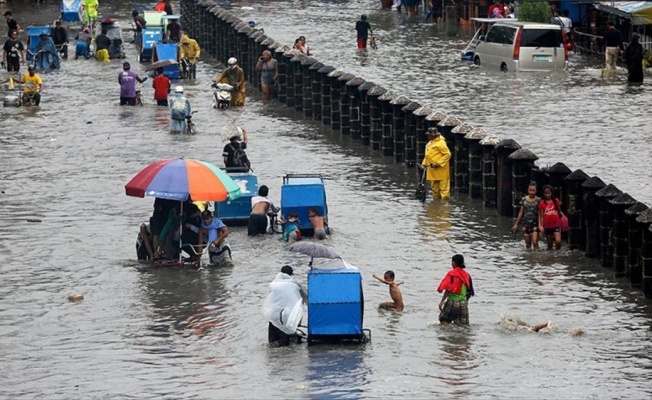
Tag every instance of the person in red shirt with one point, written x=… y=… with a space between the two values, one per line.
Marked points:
x=161 y=85
x=550 y=217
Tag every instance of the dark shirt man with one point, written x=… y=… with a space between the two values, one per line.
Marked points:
x=613 y=43
x=174 y=31
x=12 y=52
x=139 y=21
x=613 y=37
x=363 y=27
x=11 y=23
x=59 y=34
x=102 y=42
x=168 y=8
x=60 y=39
x=229 y=155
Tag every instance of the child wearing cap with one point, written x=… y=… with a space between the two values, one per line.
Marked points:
x=458 y=289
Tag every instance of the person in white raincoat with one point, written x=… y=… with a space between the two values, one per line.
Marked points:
x=179 y=110
x=283 y=307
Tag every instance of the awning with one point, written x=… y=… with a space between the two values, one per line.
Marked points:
x=639 y=12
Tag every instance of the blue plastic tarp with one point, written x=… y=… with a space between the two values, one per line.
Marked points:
x=71 y=10
x=334 y=302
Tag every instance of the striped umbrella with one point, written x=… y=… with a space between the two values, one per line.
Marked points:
x=178 y=178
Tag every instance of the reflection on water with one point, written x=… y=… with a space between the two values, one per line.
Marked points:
x=457 y=360
x=339 y=372
x=190 y=334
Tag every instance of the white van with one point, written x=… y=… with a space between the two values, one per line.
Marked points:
x=522 y=46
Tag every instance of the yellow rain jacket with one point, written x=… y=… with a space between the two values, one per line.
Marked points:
x=437 y=153
x=189 y=48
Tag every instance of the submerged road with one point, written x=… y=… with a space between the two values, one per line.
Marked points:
x=188 y=334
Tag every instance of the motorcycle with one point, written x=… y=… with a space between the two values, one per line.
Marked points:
x=221 y=95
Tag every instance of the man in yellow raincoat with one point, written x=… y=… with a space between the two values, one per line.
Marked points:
x=189 y=48
x=436 y=160
x=90 y=11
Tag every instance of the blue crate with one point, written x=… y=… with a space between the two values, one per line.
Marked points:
x=237 y=211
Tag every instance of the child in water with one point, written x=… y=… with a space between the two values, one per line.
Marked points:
x=318 y=223
x=550 y=217
x=394 y=292
x=291 y=228
x=516 y=324
x=529 y=214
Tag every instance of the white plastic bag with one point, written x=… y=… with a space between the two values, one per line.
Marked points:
x=283 y=306
x=229 y=130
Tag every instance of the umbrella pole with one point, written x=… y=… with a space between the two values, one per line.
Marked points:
x=310 y=263
x=180 y=234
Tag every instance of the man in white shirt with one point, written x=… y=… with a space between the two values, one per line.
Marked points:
x=563 y=21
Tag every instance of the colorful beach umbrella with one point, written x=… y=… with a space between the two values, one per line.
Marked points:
x=178 y=178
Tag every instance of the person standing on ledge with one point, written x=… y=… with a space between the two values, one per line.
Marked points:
x=436 y=160
x=364 y=28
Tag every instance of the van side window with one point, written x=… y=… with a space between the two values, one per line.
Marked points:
x=501 y=35
x=492 y=35
x=541 y=38
x=510 y=34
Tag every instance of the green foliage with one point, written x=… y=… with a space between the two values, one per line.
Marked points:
x=534 y=11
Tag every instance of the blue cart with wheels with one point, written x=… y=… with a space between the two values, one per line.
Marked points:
x=33 y=38
x=168 y=51
x=236 y=212
x=335 y=304
x=300 y=193
x=150 y=36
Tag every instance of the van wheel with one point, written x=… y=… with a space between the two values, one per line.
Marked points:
x=503 y=68
x=476 y=61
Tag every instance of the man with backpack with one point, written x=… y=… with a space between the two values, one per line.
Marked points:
x=235 y=158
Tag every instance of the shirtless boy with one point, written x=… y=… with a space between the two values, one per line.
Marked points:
x=318 y=223
x=394 y=292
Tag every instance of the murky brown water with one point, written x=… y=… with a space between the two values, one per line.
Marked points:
x=66 y=165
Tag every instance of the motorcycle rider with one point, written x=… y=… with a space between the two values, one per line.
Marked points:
x=33 y=86
x=234 y=76
x=179 y=110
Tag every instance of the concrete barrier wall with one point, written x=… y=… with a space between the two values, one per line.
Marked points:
x=604 y=223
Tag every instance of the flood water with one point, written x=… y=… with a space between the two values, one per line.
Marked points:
x=67 y=227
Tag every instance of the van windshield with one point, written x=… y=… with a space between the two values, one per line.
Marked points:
x=541 y=38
